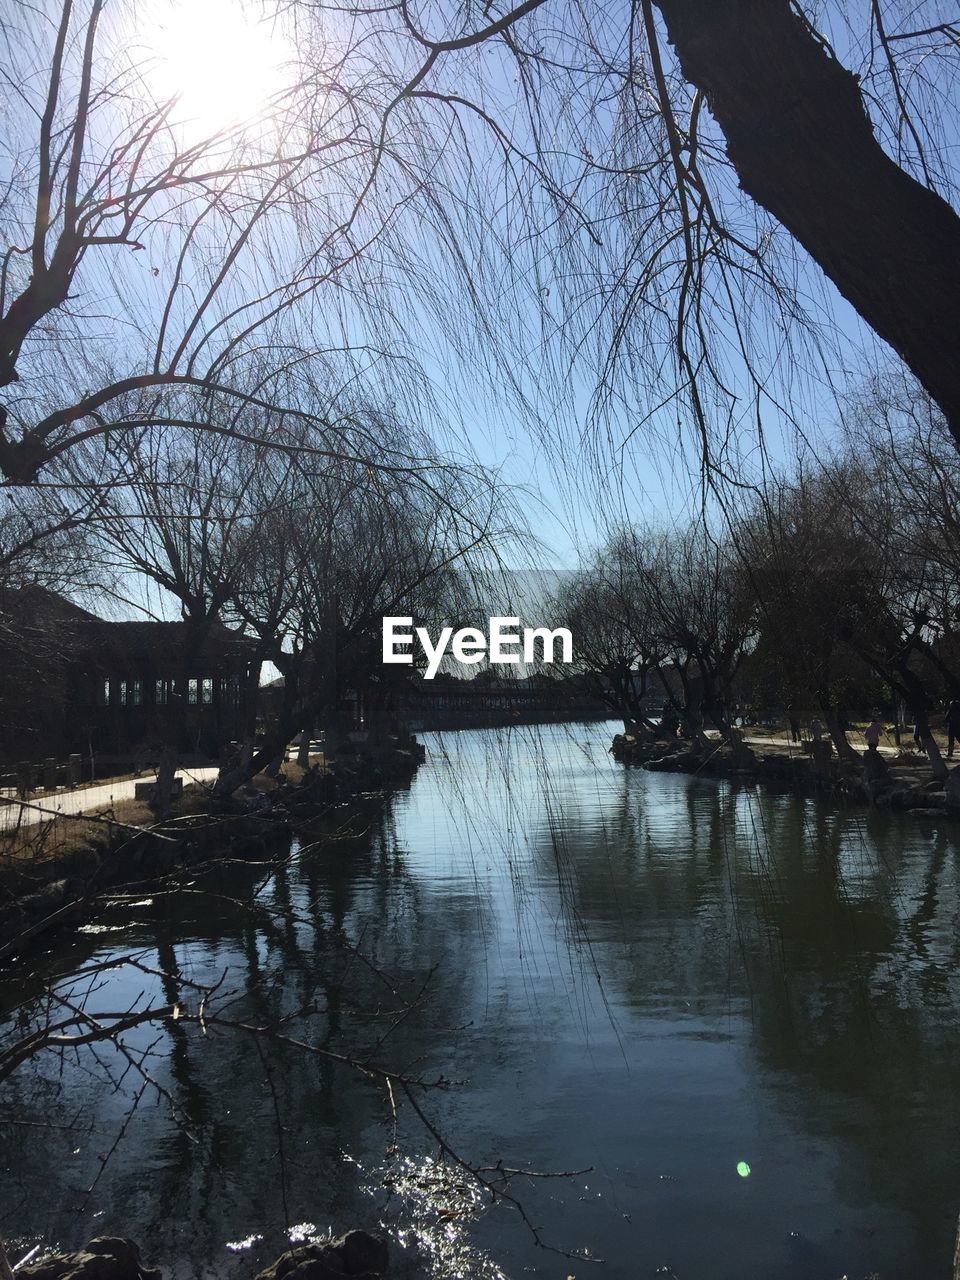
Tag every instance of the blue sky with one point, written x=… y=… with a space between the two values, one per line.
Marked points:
x=482 y=325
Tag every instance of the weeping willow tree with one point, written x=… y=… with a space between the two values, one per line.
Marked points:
x=171 y=260
x=658 y=202
x=686 y=193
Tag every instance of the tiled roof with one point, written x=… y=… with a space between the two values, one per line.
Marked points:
x=80 y=636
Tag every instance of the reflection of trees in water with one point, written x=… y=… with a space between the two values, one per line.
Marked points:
x=342 y=932
x=836 y=934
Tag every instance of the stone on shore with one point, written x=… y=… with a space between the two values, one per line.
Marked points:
x=105 y=1258
x=356 y=1254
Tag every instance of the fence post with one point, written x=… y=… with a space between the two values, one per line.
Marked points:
x=24 y=779
x=74 y=769
x=49 y=774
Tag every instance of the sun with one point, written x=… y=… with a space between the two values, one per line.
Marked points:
x=221 y=60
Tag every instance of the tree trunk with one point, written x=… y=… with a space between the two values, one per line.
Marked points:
x=803 y=147
x=938 y=765
x=166 y=774
x=247 y=769
x=173 y=719
x=919 y=703
x=836 y=730
x=295 y=713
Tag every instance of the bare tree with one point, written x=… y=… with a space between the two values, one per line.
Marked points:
x=331 y=551
x=644 y=161
x=798 y=132
x=705 y=616
x=669 y=171
x=914 y=496
x=616 y=642
x=904 y=506
x=676 y=605
x=146 y=254
x=806 y=567
x=851 y=567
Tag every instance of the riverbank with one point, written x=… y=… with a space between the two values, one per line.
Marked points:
x=52 y=874
x=883 y=779
x=358 y=1253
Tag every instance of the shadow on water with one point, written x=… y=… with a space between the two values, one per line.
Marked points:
x=658 y=976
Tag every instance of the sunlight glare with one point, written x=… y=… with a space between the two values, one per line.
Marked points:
x=223 y=60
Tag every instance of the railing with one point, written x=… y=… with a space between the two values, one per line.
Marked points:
x=49 y=775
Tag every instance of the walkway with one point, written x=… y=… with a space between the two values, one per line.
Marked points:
x=855 y=739
x=82 y=800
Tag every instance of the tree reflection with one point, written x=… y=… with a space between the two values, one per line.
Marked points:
x=256 y=1134
x=831 y=935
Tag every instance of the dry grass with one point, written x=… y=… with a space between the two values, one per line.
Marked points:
x=67 y=834
x=292 y=772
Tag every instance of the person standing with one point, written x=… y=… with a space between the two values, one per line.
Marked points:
x=795 y=734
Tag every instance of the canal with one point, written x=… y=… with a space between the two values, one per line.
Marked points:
x=729 y=1015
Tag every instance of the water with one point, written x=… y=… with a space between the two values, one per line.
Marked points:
x=658 y=977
